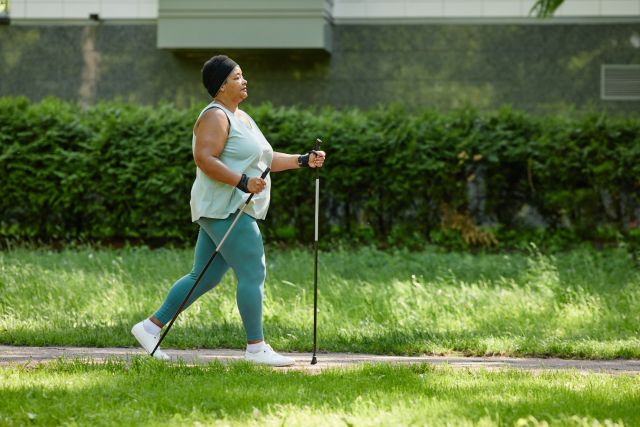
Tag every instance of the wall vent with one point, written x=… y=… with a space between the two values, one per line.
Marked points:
x=620 y=82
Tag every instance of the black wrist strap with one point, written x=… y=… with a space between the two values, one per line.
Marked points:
x=244 y=184
x=303 y=160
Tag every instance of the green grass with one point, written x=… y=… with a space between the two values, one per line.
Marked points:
x=148 y=392
x=583 y=303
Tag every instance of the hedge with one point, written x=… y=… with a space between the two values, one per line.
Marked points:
x=117 y=171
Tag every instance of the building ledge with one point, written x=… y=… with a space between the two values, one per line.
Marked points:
x=252 y=24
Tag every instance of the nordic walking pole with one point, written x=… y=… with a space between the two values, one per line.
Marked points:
x=175 y=316
x=315 y=262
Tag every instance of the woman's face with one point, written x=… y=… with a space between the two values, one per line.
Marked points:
x=236 y=86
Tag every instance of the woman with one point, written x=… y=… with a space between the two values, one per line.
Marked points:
x=230 y=153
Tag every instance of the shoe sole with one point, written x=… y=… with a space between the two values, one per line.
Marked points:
x=270 y=364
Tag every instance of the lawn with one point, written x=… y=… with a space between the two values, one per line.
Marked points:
x=149 y=392
x=583 y=303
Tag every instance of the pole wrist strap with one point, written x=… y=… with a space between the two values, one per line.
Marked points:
x=243 y=185
x=303 y=160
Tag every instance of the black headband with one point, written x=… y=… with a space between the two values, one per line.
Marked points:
x=215 y=71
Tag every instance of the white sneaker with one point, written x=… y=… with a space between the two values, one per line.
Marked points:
x=267 y=356
x=148 y=341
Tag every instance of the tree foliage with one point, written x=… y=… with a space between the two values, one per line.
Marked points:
x=546 y=8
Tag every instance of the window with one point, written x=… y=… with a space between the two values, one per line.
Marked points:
x=620 y=82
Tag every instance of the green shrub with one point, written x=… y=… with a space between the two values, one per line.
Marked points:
x=123 y=172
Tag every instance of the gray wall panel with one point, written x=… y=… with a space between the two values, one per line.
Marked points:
x=533 y=67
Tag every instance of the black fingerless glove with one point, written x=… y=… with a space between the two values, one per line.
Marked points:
x=244 y=183
x=303 y=160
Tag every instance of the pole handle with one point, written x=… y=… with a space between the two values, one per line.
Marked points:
x=263 y=176
x=318 y=142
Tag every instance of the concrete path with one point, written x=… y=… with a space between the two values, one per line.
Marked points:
x=33 y=355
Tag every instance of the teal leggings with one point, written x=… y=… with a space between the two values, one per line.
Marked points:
x=243 y=252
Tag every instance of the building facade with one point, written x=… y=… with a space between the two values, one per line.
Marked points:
x=363 y=53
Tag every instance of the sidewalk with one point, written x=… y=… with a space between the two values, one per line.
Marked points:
x=33 y=355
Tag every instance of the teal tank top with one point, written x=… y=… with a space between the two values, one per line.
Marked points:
x=246 y=151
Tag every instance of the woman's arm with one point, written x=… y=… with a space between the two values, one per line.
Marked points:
x=282 y=161
x=211 y=137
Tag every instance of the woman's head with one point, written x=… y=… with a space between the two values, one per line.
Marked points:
x=215 y=72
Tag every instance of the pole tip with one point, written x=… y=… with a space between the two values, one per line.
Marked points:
x=314 y=360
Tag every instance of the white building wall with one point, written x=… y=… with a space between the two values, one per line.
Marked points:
x=361 y=9
x=342 y=9
x=80 y=9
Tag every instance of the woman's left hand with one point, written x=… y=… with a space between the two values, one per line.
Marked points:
x=316 y=159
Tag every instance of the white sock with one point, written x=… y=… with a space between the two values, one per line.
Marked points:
x=254 y=348
x=151 y=327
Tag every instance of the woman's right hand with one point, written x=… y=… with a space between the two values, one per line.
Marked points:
x=256 y=184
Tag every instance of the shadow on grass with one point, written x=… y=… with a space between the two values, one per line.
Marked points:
x=150 y=392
